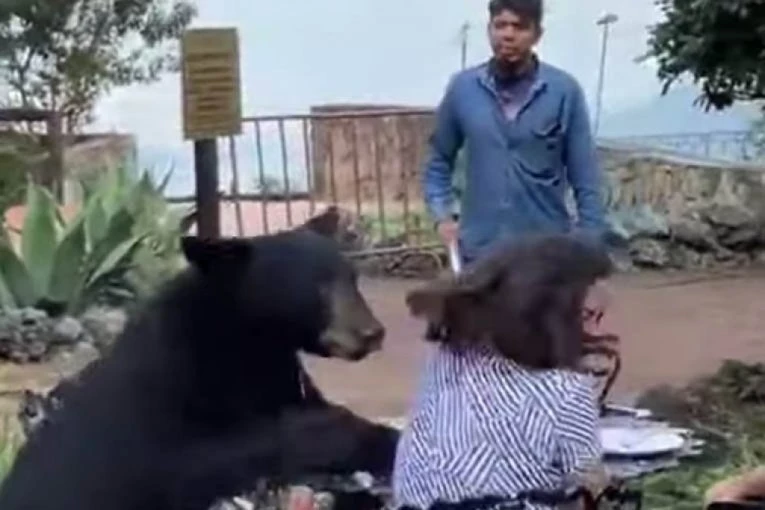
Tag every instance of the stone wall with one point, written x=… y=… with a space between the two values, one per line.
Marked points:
x=676 y=212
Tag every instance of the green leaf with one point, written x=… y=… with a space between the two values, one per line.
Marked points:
x=118 y=231
x=188 y=220
x=7 y=301
x=165 y=181
x=16 y=278
x=121 y=254
x=39 y=235
x=109 y=276
x=718 y=45
x=68 y=265
x=89 y=189
x=114 y=191
x=96 y=221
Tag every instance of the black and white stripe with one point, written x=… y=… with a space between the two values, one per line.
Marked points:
x=484 y=426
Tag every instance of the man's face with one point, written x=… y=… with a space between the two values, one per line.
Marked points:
x=512 y=37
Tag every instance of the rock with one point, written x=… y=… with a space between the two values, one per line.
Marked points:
x=724 y=255
x=650 y=253
x=68 y=363
x=694 y=233
x=684 y=257
x=638 y=221
x=25 y=335
x=734 y=226
x=729 y=216
x=68 y=331
x=104 y=324
x=708 y=261
x=30 y=335
x=623 y=264
x=737 y=260
x=744 y=238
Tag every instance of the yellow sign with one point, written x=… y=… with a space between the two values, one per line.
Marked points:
x=211 y=83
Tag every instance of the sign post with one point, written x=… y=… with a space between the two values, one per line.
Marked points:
x=212 y=108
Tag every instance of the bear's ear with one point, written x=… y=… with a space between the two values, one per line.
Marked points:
x=206 y=254
x=326 y=224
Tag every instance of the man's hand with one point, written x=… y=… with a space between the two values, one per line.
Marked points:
x=448 y=231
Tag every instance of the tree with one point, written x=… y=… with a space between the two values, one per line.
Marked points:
x=63 y=55
x=720 y=44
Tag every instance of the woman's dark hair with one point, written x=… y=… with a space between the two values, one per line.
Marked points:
x=525 y=299
x=529 y=10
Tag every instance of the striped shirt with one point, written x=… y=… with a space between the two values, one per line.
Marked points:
x=482 y=425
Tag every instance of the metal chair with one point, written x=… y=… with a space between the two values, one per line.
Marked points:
x=605 y=347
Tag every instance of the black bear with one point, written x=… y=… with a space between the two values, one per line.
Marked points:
x=204 y=393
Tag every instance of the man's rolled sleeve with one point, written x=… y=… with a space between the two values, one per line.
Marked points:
x=584 y=173
x=445 y=142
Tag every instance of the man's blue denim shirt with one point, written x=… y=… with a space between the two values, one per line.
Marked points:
x=518 y=169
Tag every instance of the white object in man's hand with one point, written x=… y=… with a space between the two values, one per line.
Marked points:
x=448 y=231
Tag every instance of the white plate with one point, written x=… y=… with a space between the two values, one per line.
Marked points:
x=638 y=442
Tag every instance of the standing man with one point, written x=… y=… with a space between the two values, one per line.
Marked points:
x=525 y=126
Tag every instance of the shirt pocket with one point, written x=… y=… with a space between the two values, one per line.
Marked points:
x=541 y=152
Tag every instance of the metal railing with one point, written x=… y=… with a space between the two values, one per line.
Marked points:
x=731 y=146
x=366 y=161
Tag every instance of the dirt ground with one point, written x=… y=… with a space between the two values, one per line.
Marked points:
x=673 y=328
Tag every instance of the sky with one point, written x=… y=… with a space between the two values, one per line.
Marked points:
x=298 y=54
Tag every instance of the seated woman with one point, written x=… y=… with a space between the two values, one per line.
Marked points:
x=504 y=406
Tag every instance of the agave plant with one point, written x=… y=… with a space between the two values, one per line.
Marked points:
x=159 y=223
x=66 y=266
x=162 y=224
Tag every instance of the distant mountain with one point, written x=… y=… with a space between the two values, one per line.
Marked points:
x=675 y=113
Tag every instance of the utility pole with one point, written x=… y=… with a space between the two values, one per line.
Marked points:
x=464 y=32
x=605 y=22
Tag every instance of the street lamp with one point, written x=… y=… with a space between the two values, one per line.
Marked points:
x=464 y=32
x=604 y=21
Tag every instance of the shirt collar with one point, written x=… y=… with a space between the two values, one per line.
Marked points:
x=484 y=75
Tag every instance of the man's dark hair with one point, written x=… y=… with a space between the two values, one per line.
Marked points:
x=529 y=10
x=525 y=300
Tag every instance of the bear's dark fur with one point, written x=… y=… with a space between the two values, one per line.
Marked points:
x=204 y=392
